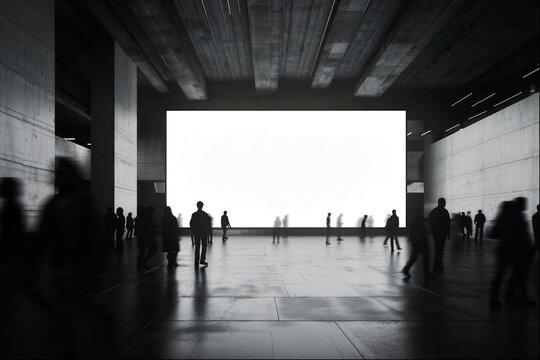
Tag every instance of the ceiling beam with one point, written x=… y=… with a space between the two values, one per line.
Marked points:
x=107 y=18
x=421 y=21
x=172 y=44
x=348 y=15
x=265 y=24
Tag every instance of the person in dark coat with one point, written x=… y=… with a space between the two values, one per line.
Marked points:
x=439 y=223
x=110 y=226
x=416 y=228
x=364 y=222
x=129 y=227
x=170 y=237
x=479 y=221
x=120 y=228
x=392 y=225
x=11 y=219
x=200 y=228
x=328 y=228
x=468 y=224
x=72 y=242
x=513 y=252
x=224 y=225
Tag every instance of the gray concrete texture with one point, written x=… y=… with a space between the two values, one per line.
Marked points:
x=78 y=154
x=493 y=160
x=27 y=95
x=114 y=128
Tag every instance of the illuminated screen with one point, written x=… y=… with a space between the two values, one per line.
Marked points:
x=259 y=165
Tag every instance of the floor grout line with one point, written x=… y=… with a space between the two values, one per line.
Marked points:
x=343 y=332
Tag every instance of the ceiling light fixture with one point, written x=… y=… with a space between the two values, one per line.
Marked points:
x=89 y=144
x=460 y=100
x=510 y=98
x=69 y=138
x=409 y=133
x=532 y=72
x=483 y=112
x=453 y=127
x=484 y=99
x=427 y=132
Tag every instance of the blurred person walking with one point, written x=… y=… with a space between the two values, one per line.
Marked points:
x=439 y=223
x=129 y=227
x=393 y=226
x=170 y=241
x=419 y=241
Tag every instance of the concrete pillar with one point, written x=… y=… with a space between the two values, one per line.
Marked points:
x=114 y=128
x=27 y=96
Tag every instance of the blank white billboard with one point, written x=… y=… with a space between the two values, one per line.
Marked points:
x=259 y=165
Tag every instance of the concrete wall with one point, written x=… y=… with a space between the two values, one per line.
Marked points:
x=493 y=160
x=27 y=95
x=114 y=127
x=79 y=154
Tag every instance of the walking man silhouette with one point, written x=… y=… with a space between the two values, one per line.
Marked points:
x=439 y=222
x=200 y=228
x=479 y=221
x=224 y=224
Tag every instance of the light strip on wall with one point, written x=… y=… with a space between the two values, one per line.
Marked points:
x=69 y=139
x=484 y=99
x=510 y=98
x=483 y=112
x=409 y=133
x=460 y=100
x=427 y=132
x=453 y=127
x=532 y=72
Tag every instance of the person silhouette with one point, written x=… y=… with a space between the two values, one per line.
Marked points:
x=286 y=226
x=439 y=223
x=416 y=229
x=170 y=238
x=120 y=228
x=364 y=222
x=339 y=224
x=110 y=226
x=393 y=227
x=536 y=227
x=468 y=224
x=129 y=227
x=70 y=237
x=479 y=221
x=11 y=219
x=200 y=228
x=463 y=225
x=211 y=234
x=513 y=252
x=224 y=225
x=328 y=227
x=386 y=229
x=277 y=228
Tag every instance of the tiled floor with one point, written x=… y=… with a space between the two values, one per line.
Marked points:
x=298 y=298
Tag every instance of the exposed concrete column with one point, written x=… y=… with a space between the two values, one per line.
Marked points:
x=27 y=48
x=114 y=128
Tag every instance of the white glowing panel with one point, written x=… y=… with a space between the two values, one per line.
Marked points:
x=259 y=165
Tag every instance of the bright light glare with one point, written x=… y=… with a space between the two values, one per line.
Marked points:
x=258 y=165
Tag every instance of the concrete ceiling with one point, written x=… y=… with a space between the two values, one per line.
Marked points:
x=374 y=44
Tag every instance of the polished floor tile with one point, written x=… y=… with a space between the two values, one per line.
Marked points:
x=298 y=298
